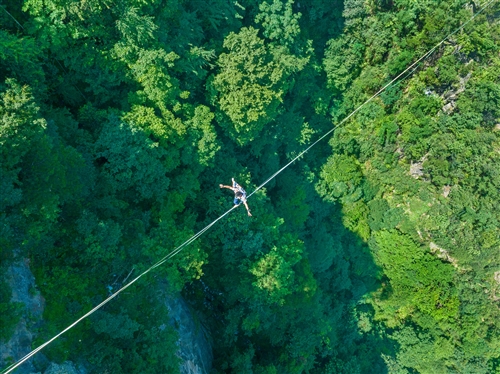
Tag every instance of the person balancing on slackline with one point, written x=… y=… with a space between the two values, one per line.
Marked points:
x=240 y=196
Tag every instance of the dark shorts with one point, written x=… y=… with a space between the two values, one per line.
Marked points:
x=239 y=200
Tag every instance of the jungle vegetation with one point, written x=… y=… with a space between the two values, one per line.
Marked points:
x=377 y=252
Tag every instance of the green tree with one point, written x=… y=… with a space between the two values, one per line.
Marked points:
x=11 y=312
x=251 y=83
x=281 y=25
x=418 y=282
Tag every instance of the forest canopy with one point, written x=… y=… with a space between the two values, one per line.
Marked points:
x=376 y=252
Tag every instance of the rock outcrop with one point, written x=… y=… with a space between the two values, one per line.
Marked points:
x=194 y=347
x=19 y=277
x=67 y=367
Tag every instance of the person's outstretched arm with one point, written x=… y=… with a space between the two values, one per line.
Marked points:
x=224 y=186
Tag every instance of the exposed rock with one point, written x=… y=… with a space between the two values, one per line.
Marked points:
x=65 y=368
x=194 y=347
x=446 y=191
x=443 y=254
x=191 y=367
x=429 y=92
x=452 y=95
x=420 y=235
x=449 y=108
x=399 y=152
x=416 y=170
x=18 y=275
x=496 y=277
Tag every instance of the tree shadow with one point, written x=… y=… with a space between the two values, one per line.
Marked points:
x=340 y=320
x=347 y=275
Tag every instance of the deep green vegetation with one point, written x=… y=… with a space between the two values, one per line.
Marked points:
x=376 y=254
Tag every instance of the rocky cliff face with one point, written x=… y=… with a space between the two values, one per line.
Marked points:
x=22 y=282
x=194 y=348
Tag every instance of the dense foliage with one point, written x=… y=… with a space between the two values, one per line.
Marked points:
x=377 y=253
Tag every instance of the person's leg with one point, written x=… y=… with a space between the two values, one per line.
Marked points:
x=248 y=209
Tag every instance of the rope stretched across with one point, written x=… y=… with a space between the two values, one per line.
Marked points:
x=201 y=232
x=111 y=297
x=412 y=66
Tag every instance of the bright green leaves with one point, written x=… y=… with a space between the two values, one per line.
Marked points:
x=18 y=58
x=387 y=133
x=195 y=134
x=483 y=99
x=480 y=38
x=341 y=177
x=206 y=138
x=342 y=60
x=248 y=84
x=273 y=274
x=418 y=282
x=148 y=65
x=21 y=126
x=382 y=216
x=280 y=24
x=415 y=131
x=423 y=353
x=135 y=28
x=30 y=167
x=155 y=126
x=274 y=271
x=251 y=83
x=149 y=69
